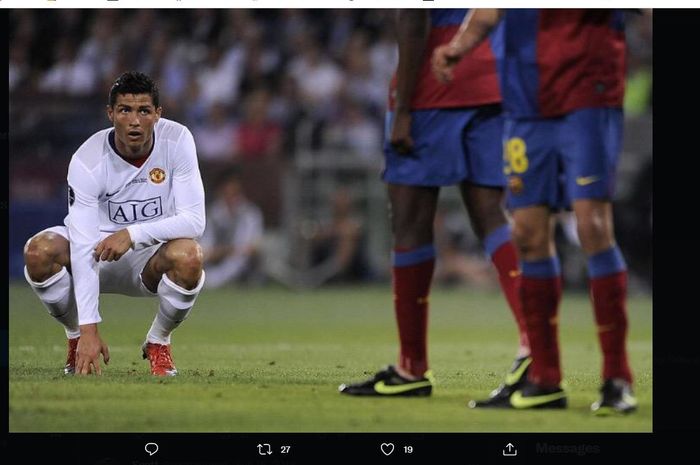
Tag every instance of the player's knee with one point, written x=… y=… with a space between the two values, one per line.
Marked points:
x=485 y=208
x=595 y=233
x=529 y=240
x=186 y=258
x=410 y=238
x=488 y=219
x=39 y=253
x=594 y=225
x=412 y=231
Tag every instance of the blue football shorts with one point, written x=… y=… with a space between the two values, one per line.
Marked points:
x=450 y=146
x=554 y=161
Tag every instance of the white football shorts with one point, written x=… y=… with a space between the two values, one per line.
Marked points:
x=124 y=275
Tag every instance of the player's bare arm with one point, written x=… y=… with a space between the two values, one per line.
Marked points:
x=412 y=31
x=112 y=247
x=477 y=25
x=90 y=347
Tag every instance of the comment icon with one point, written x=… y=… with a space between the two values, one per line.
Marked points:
x=151 y=448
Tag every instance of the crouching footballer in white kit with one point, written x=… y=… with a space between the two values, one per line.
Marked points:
x=136 y=206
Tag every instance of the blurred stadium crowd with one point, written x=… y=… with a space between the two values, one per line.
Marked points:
x=258 y=88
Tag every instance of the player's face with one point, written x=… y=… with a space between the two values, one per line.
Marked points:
x=134 y=117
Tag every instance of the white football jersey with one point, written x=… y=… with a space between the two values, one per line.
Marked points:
x=160 y=201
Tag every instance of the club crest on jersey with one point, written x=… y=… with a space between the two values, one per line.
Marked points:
x=156 y=175
x=133 y=211
x=515 y=183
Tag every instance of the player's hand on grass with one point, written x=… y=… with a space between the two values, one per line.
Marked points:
x=90 y=346
x=444 y=60
x=112 y=247
x=401 y=139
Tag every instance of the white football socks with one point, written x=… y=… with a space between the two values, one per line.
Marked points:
x=175 y=305
x=56 y=293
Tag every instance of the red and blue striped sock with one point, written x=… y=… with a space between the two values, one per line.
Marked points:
x=412 y=274
x=499 y=246
x=608 y=289
x=541 y=294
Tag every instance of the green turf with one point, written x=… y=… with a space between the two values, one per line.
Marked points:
x=268 y=359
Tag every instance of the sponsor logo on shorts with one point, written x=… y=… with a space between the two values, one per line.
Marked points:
x=586 y=180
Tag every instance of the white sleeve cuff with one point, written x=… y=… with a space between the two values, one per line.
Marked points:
x=90 y=320
x=138 y=238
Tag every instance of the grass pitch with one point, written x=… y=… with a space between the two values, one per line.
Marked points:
x=270 y=360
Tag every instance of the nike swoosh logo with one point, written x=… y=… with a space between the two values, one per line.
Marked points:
x=518 y=401
x=586 y=180
x=113 y=193
x=514 y=377
x=382 y=388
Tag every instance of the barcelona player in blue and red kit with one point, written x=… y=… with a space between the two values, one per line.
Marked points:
x=562 y=80
x=439 y=135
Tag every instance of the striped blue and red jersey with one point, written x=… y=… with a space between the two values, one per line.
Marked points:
x=558 y=61
x=476 y=75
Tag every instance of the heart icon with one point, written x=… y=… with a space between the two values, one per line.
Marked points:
x=387 y=448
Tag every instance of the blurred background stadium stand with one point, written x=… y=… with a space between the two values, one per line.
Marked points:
x=293 y=99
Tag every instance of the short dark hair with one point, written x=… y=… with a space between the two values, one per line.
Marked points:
x=134 y=82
